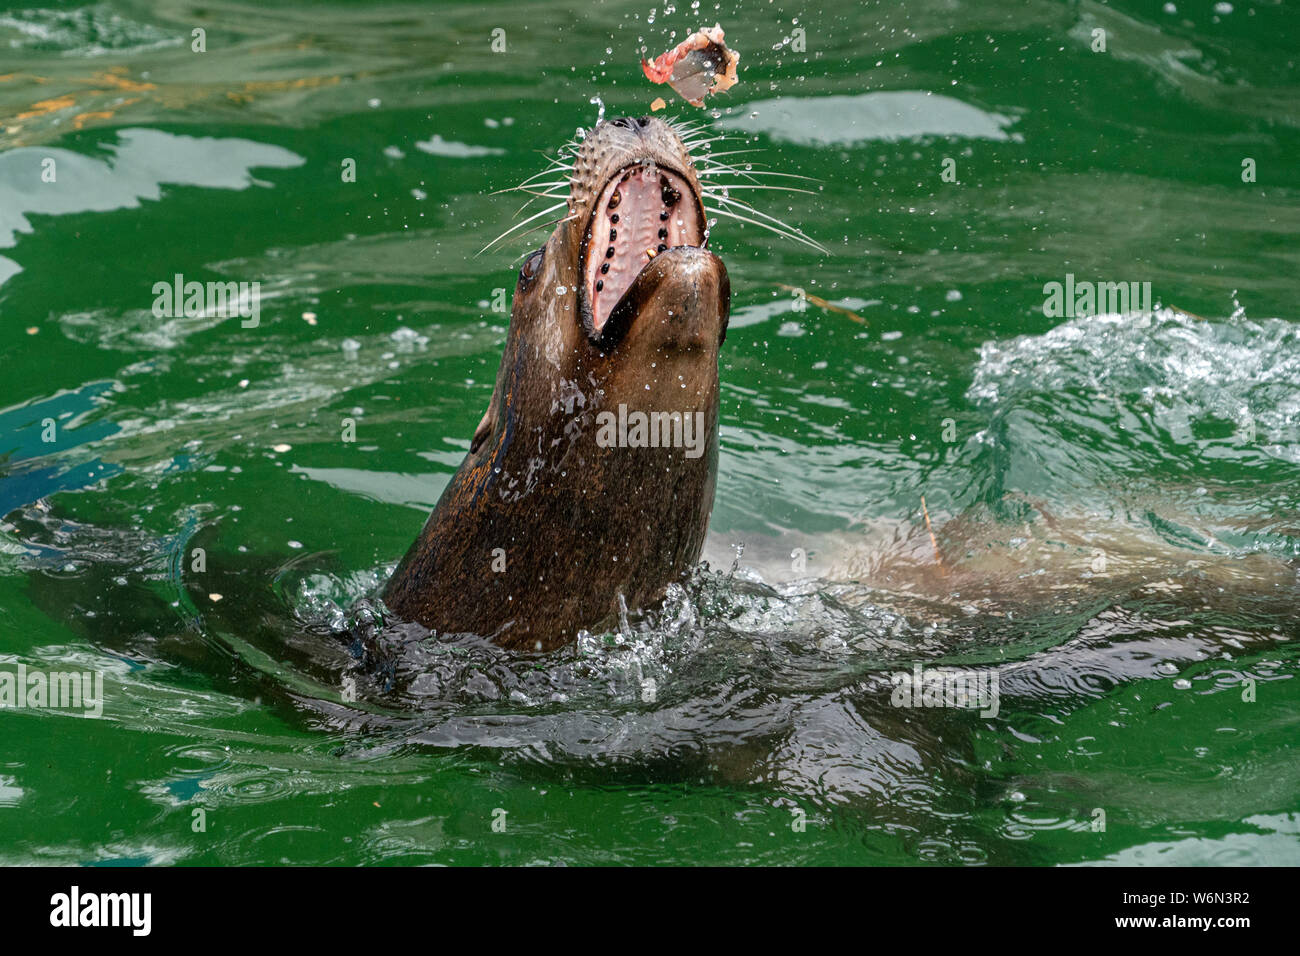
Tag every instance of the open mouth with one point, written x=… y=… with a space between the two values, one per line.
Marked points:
x=643 y=210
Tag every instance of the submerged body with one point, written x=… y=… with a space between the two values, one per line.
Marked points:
x=554 y=516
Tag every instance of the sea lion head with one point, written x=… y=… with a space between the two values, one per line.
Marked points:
x=590 y=478
x=626 y=273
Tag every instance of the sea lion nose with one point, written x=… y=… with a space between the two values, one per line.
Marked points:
x=627 y=122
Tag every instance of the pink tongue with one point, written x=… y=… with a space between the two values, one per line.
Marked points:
x=637 y=229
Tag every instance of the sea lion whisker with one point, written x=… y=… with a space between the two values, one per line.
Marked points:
x=530 y=181
x=705 y=182
x=711 y=162
x=787 y=232
x=551 y=170
x=553 y=163
x=716 y=184
x=692 y=131
x=706 y=136
x=547 y=193
x=542 y=225
x=538 y=215
x=740 y=203
x=552 y=158
x=784 y=234
x=708 y=130
x=712 y=189
x=695 y=144
x=714 y=170
x=552 y=222
x=528 y=202
x=678 y=123
x=750 y=170
x=734 y=152
x=732 y=165
x=749 y=174
x=526 y=188
x=542 y=174
x=777 y=224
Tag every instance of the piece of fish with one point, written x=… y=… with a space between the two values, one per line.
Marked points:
x=698 y=66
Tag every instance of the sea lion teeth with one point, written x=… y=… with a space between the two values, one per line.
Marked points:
x=642 y=186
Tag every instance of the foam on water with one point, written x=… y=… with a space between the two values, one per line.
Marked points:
x=1188 y=421
x=1172 y=369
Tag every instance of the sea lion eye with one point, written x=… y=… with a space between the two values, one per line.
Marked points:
x=532 y=265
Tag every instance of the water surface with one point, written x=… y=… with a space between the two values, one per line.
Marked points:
x=1153 y=693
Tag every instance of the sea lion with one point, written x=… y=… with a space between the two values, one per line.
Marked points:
x=569 y=500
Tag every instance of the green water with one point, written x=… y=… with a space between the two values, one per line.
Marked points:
x=1159 y=696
